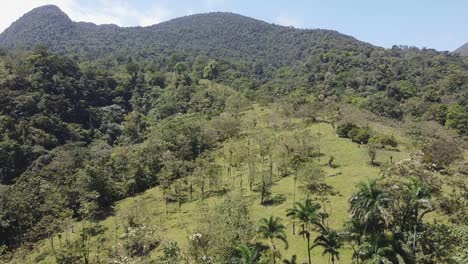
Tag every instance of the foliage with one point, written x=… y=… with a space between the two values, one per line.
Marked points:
x=312 y=179
x=214 y=236
x=171 y=253
x=360 y=135
x=383 y=141
x=162 y=106
x=343 y=130
x=272 y=229
x=331 y=242
x=441 y=153
x=370 y=206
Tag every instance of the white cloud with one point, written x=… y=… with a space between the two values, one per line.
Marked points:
x=119 y=12
x=288 y=21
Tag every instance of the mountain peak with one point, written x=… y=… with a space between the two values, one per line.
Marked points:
x=47 y=12
x=48 y=19
x=463 y=50
x=47 y=8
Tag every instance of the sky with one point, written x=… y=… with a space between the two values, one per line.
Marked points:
x=438 y=24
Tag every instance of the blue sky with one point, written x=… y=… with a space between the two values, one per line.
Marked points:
x=442 y=25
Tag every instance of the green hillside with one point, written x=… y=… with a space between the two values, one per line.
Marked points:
x=351 y=166
x=184 y=141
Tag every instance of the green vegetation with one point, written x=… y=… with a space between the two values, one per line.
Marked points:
x=184 y=149
x=224 y=221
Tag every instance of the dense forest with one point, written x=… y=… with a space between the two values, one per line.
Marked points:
x=220 y=35
x=98 y=114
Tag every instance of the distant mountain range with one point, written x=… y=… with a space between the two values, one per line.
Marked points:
x=224 y=35
x=463 y=50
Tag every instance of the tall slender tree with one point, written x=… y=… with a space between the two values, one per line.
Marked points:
x=370 y=206
x=307 y=214
x=272 y=229
x=330 y=241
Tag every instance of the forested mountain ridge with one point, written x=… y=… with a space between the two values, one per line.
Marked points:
x=463 y=50
x=224 y=35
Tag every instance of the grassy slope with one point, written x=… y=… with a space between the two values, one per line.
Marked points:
x=352 y=167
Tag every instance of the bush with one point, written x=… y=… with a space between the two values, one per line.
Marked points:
x=384 y=140
x=355 y=133
x=139 y=241
x=360 y=135
x=343 y=129
x=441 y=153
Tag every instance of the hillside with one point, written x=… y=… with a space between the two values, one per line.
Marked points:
x=350 y=168
x=217 y=138
x=177 y=213
x=463 y=50
x=223 y=35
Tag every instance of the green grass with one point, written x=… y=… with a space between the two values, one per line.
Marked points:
x=352 y=167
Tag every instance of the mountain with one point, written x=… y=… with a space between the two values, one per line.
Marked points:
x=44 y=25
x=463 y=50
x=224 y=35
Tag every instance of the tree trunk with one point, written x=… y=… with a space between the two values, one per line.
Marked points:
x=165 y=202
x=263 y=180
x=308 y=249
x=271 y=168
x=294 y=191
x=203 y=191
x=51 y=240
x=191 y=192
x=263 y=191
x=20 y=234
x=415 y=228
x=274 y=251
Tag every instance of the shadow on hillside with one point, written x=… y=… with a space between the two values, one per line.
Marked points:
x=105 y=213
x=274 y=200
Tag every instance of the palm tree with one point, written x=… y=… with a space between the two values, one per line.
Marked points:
x=387 y=249
x=330 y=240
x=306 y=213
x=306 y=234
x=272 y=229
x=369 y=206
x=418 y=198
x=353 y=233
x=248 y=255
x=292 y=261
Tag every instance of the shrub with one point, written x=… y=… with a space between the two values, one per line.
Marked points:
x=372 y=153
x=360 y=135
x=343 y=129
x=355 y=133
x=139 y=241
x=441 y=153
x=383 y=140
